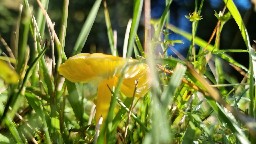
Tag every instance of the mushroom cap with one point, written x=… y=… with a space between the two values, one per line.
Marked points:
x=85 y=67
x=136 y=81
x=97 y=67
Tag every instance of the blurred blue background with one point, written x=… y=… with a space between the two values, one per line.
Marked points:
x=180 y=8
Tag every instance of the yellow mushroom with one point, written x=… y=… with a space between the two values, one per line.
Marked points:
x=105 y=71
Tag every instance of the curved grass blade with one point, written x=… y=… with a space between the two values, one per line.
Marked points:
x=86 y=28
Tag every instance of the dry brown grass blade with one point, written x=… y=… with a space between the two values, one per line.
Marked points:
x=49 y=22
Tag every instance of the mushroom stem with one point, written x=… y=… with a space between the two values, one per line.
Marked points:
x=104 y=97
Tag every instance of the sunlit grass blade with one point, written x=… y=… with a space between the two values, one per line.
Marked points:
x=230 y=51
x=86 y=28
x=239 y=21
x=139 y=46
x=126 y=38
x=109 y=30
x=135 y=24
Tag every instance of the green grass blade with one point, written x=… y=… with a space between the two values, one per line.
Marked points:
x=174 y=82
x=64 y=19
x=23 y=38
x=239 y=21
x=139 y=46
x=160 y=127
x=43 y=71
x=74 y=99
x=41 y=19
x=163 y=19
x=135 y=24
x=12 y=127
x=200 y=42
x=86 y=28
x=109 y=30
x=37 y=104
x=225 y=118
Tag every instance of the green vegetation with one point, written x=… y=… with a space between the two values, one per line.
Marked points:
x=191 y=99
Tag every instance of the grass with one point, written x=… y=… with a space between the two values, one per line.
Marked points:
x=191 y=99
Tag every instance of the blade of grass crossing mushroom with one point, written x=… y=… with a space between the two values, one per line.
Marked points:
x=108 y=128
x=86 y=28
